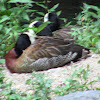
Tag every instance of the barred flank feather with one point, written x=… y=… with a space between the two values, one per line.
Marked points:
x=47 y=63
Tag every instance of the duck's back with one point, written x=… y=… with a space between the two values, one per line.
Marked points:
x=49 y=47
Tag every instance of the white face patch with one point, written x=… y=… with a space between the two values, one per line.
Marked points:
x=30 y=26
x=31 y=31
x=46 y=17
x=31 y=37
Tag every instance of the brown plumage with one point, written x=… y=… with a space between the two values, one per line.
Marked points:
x=65 y=32
x=43 y=54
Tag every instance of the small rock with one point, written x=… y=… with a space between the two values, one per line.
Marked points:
x=81 y=95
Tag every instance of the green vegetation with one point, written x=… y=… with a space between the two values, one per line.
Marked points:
x=89 y=33
x=6 y=93
x=14 y=20
x=40 y=85
x=77 y=82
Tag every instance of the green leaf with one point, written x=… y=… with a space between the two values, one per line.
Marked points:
x=41 y=27
x=34 y=29
x=54 y=7
x=94 y=40
x=98 y=61
x=8 y=30
x=2 y=7
x=26 y=16
x=98 y=44
x=97 y=88
x=68 y=24
x=64 y=19
x=98 y=34
x=14 y=97
x=10 y=46
x=2 y=60
x=41 y=5
x=40 y=13
x=86 y=6
x=95 y=30
x=28 y=81
x=58 y=13
x=5 y=92
x=20 y=1
x=4 y=18
x=85 y=74
x=1 y=26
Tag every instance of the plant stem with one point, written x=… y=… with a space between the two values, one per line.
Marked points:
x=46 y=4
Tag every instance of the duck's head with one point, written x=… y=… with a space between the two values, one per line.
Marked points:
x=24 y=40
x=54 y=19
x=51 y=16
x=46 y=31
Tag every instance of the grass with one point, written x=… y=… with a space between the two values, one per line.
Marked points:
x=88 y=34
x=41 y=86
x=77 y=82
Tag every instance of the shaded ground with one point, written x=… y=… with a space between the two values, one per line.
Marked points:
x=58 y=74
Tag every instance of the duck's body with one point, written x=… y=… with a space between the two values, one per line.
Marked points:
x=44 y=53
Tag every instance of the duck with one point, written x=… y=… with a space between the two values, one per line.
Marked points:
x=43 y=53
x=44 y=32
x=54 y=19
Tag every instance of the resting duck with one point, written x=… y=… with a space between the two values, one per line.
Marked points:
x=42 y=54
x=54 y=19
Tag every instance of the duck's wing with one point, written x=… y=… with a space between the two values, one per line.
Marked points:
x=50 y=52
x=53 y=62
x=46 y=47
x=50 y=47
x=46 y=53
